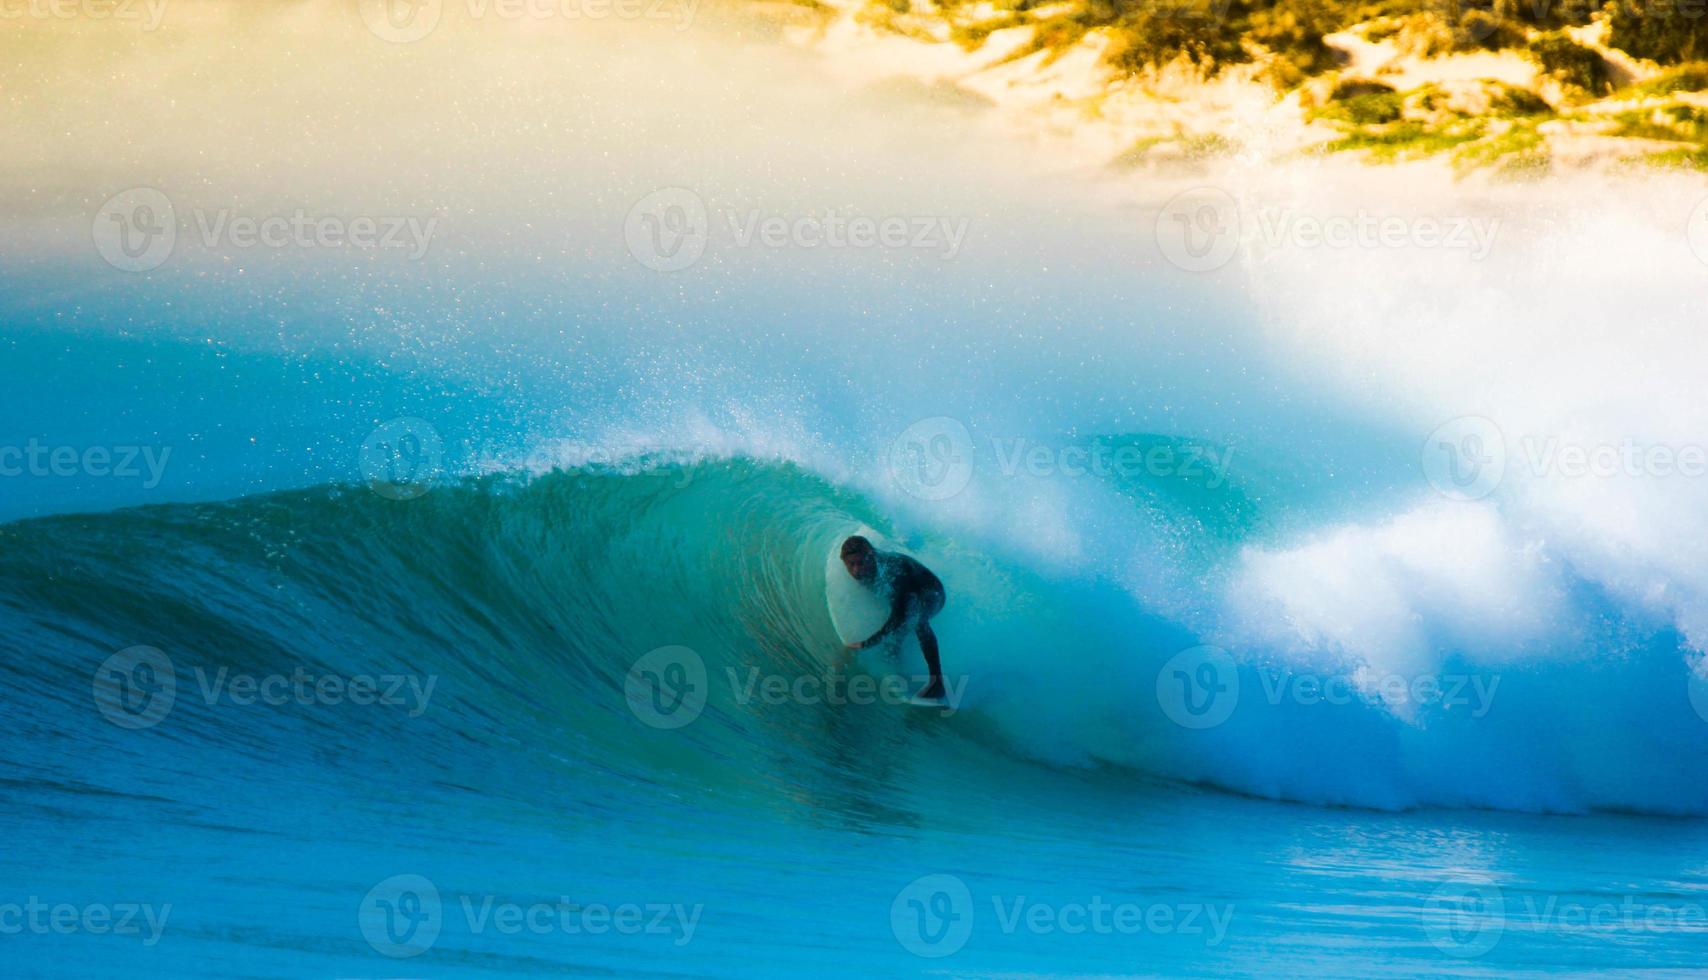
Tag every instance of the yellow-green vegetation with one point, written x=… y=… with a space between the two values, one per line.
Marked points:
x=1363 y=102
x=1573 y=64
x=1582 y=79
x=1518 y=151
x=1191 y=147
x=1684 y=157
x=1406 y=141
x=1500 y=128
x=1690 y=77
x=1667 y=31
x=1675 y=123
x=1285 y=34
x=1480 y=123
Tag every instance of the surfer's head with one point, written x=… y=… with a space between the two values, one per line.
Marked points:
x=860 y=558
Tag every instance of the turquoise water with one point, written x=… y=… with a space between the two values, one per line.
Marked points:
x=466 y=616
x=1059 y=822
x=767 y=834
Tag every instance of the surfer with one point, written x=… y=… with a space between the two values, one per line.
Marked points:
x=914 y=593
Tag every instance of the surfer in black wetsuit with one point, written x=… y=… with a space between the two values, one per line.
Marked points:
x=914 y=593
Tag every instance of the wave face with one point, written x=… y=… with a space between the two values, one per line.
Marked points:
x=524 y=606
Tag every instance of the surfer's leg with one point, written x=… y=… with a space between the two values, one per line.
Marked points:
x=928 y=646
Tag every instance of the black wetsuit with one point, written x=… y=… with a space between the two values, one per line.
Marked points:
x=910 y=582
x=915 y=594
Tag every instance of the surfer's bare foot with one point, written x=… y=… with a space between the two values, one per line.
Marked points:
x=932 y=691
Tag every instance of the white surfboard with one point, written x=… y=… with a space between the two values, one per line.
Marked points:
x=855 y=610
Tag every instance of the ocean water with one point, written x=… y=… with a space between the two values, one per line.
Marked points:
x=464 y=613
